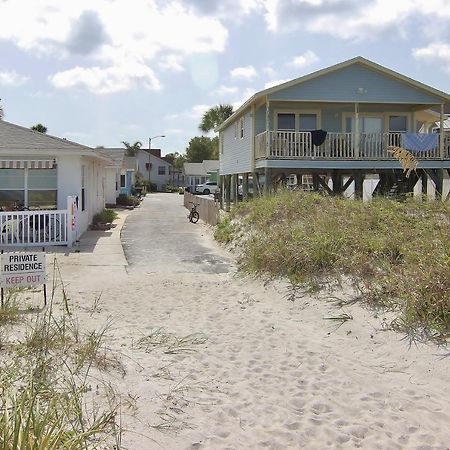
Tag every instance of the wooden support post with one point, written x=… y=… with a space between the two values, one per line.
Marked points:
x=347 y=184
x=256 y=185
x=316 y=182
x=359 y=180
x=232 y=188
x=424 y=179
x=336 y=176
x=267 y=180
x=227 y=192
x=245 y=187
x=440 y=184
x=236 y=189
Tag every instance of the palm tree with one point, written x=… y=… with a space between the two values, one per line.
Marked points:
x=214 y=117
x=131 y=150
x=39 y=127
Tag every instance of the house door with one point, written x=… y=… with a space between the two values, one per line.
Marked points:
x=371 y=134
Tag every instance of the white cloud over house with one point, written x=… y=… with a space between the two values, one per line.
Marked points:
x=243 y=73
x=304 y=60
x=436 y=52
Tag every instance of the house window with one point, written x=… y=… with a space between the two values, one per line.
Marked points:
x=12 y=187
x=83 y=188
x=307 y=122
x=241 y=127
x=161 y=170
x=34 y=188
x=286 y=122
x=123 y=181
x=398 y=124
x=42 y=188
x=148 y=166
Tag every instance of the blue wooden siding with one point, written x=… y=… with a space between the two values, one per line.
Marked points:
x=260 y=119
x=343 y=85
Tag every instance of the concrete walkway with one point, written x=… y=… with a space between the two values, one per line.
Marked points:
x=158 y=238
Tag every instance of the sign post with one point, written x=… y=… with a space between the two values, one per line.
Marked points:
x=22 y=269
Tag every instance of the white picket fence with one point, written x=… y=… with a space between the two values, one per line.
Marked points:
x=39 y=228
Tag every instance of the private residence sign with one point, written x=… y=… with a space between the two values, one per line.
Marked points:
x=22 y=269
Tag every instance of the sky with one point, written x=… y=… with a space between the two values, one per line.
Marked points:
x=100 y=72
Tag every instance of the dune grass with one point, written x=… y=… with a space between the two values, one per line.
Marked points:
x=397 y=254
x=45 y=365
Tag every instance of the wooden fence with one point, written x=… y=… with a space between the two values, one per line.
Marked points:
x=207 y=207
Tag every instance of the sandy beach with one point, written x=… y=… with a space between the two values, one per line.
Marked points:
x=215 y=361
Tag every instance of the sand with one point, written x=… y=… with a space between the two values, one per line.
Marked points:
x=256 y=370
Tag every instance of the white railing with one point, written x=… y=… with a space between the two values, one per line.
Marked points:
x=33 y=228
x=371 y=146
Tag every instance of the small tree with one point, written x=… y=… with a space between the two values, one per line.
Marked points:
x=39 y=127
x=132 y=149
x=201 y=148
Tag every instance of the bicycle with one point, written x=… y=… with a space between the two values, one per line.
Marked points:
x=193 y=215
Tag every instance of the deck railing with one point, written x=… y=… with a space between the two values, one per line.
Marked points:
x=33 y=228
x=369 y=146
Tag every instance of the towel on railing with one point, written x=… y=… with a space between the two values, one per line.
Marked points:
x=318 y=137
x=420 y=142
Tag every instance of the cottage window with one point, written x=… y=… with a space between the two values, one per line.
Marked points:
x=12 y=186
x=241 y=127
x=307 y=122
x=161 y=170
x=42 y=188
x=286 y=122
x=34 y=188
x=123 y=181
x=398 y=124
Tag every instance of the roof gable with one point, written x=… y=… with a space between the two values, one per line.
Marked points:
x=356 y=83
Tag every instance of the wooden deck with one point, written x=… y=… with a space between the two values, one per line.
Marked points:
x=365 y=147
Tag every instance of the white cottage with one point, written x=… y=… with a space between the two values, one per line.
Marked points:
x=38 y=173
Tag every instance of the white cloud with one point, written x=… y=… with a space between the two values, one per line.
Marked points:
x=436 y=52
x=194 y=113
x=246 y=94
x=273 y=83
x=244 y=73
x=107 y=33
x=107 y=80
x=350 y=19
x=306 y=59
x=172 y=63
x=224 y=91
x=8 y=78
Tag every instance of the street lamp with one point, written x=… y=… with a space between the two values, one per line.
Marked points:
x=149 y=153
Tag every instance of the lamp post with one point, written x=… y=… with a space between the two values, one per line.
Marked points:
x=149 y=153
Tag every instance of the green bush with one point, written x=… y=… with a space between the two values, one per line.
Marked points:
x=396 y=254
x=105 y=216
x=224 y=231
x=127 y=200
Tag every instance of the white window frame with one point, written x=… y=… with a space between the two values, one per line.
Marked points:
x=242 y=127
x=124 y=185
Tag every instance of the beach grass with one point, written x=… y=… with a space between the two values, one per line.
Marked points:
x=45 y=393
x=395 y=254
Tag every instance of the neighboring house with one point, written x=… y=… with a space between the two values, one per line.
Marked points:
x=153 y=168
x=120 y=175
x=198 y=173
x=39 y=171
x=363 y=107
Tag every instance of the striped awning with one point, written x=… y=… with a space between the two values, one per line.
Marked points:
x=27 y=163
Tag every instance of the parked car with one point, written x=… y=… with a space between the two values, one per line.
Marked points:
x=210 y=187
x=249 y=190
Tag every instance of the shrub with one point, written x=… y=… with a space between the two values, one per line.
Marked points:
x=105 y=216
x=224 y=231
x=127 y=200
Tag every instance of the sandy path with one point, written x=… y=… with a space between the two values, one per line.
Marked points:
x=260 y=371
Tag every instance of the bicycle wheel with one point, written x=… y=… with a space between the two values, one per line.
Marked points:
x=195 y=216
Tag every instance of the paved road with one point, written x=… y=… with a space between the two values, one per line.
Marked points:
x=158 y=238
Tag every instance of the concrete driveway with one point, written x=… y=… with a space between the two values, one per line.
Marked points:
x=158 y=238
